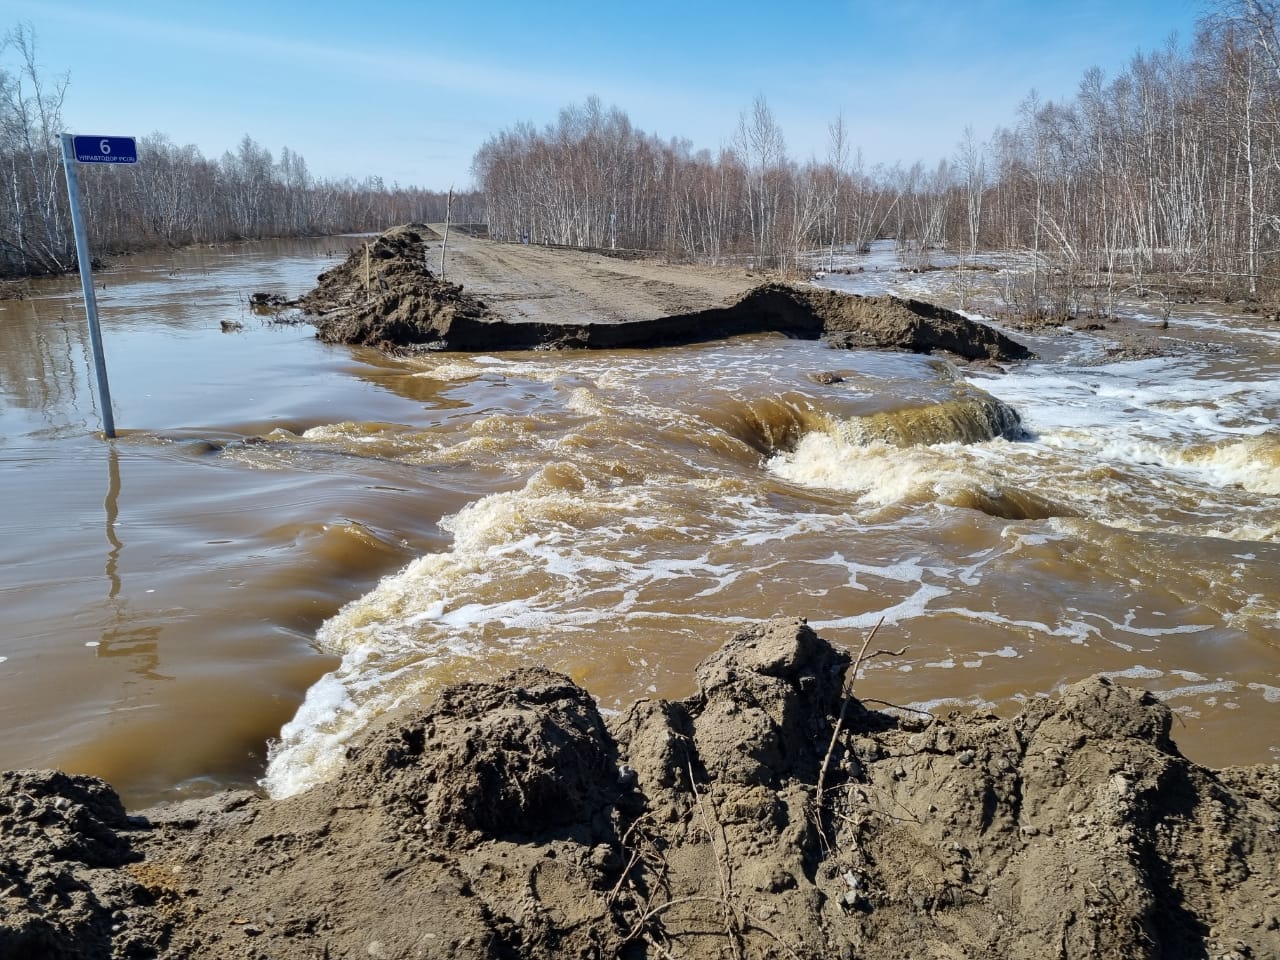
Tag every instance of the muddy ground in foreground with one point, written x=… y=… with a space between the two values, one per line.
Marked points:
x=769 y=815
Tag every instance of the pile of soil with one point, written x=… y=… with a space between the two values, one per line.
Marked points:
x=894 y=323
x=770 y=815
x=384 y=295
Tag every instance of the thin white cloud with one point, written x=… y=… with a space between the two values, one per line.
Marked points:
x=425 y=72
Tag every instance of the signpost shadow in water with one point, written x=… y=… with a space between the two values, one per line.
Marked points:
x=121 y=638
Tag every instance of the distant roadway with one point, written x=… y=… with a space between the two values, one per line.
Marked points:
x=526 y=282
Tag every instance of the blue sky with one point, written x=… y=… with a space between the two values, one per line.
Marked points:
x=408 y=90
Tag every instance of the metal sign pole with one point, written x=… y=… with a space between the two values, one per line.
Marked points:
x=86 y=284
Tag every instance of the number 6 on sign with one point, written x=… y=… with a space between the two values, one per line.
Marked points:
x=102 y=149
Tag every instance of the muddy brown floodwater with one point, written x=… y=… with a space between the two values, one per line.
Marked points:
x=291 y=538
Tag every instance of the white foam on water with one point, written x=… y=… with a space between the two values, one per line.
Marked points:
x=580 y=546
x=469 y=369
x=948 y=703
x=1209 y=322
x=1073 y=631
x=1102 y=446
x=1269 y=693
x=648 y=616
x=439 y=605
x=1140 y=445
x=452 y=371
x=1198 y=690
x=1154 y=632
x=311 y=744
x=1136 y=673
x=913 y=606
x=558 y=555
x=1160 y=398
x=1017 y=541
x=904 y=571
x=789 y=531
x=1252 y=463
x=882 y=474
x=585 y=402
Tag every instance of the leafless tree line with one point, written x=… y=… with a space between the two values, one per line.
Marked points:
x=174 y=195
x=1173 y=166
x=593 y=180
x=1170 y=167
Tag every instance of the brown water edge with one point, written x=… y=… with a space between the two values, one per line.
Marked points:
x=160 y=602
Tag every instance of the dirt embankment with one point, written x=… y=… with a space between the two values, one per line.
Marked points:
x=385 y=295
x=766 y=816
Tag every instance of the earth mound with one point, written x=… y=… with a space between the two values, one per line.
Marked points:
x=520 y=759
x=888 y=322
x=771 y=814
x=384 y=295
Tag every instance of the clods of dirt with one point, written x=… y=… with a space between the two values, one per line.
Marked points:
x=385 y=295
x=771 y=814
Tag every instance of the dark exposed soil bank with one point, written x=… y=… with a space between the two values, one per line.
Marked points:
x=511 y=820
x=385 y=295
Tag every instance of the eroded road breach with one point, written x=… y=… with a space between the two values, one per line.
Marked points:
x=518 y=297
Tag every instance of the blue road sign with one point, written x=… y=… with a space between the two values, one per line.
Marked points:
x=106 y=149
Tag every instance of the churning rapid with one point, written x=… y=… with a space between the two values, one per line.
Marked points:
x=298 y=537
x=1014 y=531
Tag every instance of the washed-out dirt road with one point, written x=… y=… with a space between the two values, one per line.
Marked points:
x=496 y=296
x=525 y=282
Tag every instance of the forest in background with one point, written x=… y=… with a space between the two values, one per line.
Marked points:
x=175 y=195
x=1171 y=167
